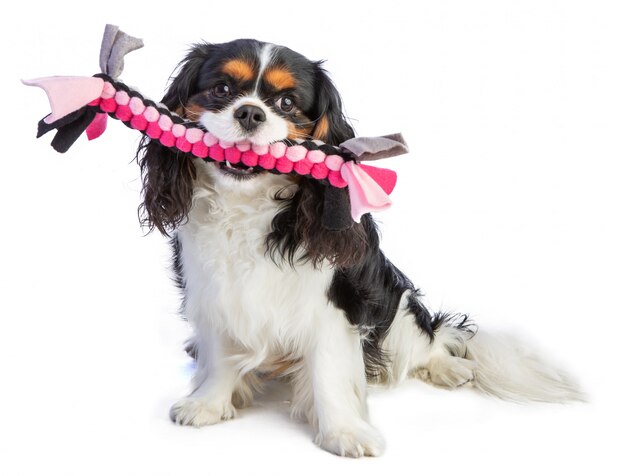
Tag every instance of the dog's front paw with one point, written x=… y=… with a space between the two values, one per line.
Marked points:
x=194 y=411
x=355 y=442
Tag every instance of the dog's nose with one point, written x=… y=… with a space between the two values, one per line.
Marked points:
x=250 y=117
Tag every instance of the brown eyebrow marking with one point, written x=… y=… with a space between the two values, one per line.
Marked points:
x=280 y=78
x=239 y=69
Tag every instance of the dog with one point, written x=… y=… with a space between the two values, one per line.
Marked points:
x=270 y=292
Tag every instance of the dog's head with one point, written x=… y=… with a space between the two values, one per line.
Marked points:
x=257 y=92
x=244 y=90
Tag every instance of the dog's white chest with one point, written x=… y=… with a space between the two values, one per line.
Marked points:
x=233 y=285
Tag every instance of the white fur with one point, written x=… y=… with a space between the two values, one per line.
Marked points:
x=509 y=368
x=247 y=313
x=413 y=354
x=265 y=58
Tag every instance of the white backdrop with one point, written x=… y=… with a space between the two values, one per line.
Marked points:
x=509 y=207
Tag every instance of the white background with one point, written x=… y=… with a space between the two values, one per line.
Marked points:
x=509 y=207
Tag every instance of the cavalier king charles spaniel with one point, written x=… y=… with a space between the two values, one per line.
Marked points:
x=270 y=292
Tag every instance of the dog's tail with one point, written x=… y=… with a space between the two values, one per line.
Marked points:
x=457 y=354
x=510 y=369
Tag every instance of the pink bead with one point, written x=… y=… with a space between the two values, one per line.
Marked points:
x=153 y=130
x=303 y=167
x=284 y=165
x=108 y=105
x=336 y=180
x=183 y=144
x=167 y=139
x=139 y=122
x=267 y=161
x=250 y=158
x=199 y=149
x=179 y=130
x=260 y=149
x=152 y=114
x=95 y=102
x=296 y=153
x=137 y=106
x=243 y=146
x=209 y=139
x=108 y=91
x=319 y=171
x=122 y=98
x=216 y=153
x=123 y=113
x=316 y=156
x=226 y=144
x=165 y=123
x=194 y=135
x=277 y=149
x=334 y=162
x=233 y=155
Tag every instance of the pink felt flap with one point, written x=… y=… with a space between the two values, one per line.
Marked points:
x=97 y=126
x=366 y=195
x=67 y=93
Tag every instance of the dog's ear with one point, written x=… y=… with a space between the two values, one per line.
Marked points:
x=167 y=178
x=333 y=128
x=168 y=175
x=184 y=80
x=331 y=125
x=298 y=232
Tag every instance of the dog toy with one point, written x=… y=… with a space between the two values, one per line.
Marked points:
x=82 y=104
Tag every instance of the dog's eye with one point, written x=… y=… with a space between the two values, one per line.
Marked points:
x=221 y=90
x=286 y=104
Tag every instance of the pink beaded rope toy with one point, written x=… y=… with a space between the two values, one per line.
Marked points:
x=82 y=104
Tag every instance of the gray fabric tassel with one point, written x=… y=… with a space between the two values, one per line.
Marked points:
x=375 y=148
x=115 y=45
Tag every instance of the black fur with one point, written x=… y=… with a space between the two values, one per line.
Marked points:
x=177 y=265
x=369 y=292
x=328 y=103
x=191 y=347
x=298 y=235
x=168 y=175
